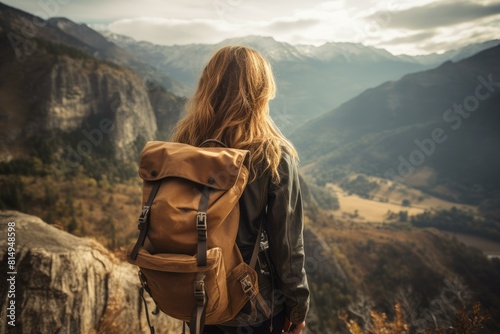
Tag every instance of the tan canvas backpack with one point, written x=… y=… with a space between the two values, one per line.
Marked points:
x=186 y=251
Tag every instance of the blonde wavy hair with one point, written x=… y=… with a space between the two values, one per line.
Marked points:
x=231 y=104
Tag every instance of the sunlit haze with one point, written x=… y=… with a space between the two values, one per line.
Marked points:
x=402 y=27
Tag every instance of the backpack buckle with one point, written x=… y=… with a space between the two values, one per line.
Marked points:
x=247 y=286
x=264 y=241
x=201 y=225
x=143 y=217
x=201 y=221
x=199 y=290
x=144 y=284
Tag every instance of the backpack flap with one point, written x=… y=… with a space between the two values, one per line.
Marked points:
x=214 y=167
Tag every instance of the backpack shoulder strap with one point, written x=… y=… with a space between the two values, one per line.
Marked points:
x=215 y=141
x=253 y=261
x=256 y=247
x=143 y=225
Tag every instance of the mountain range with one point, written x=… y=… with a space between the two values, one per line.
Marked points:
x=438 y=130
x=311 y=79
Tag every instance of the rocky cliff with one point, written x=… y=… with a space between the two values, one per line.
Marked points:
x=76 y=93
x=66 y=284
x=64 y=94
x=64 y=80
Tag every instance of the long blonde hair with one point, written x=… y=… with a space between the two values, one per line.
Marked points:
x=231 y=104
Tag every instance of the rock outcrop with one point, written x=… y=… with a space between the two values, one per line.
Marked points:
x=79 y=92
x=62 y=81
x=66 y=284
x=72 y=96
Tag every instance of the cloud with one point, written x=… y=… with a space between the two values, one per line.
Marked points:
x=465 y=34
x=409 y=26
x=290 y=25
x=98 y=11
x=173 y=31
x=411 y=38
x=439 y=14
x=435 y=26
x=440 y=39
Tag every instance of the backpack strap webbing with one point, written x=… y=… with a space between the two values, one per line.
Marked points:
x=144 y=287
x=201 y=227
x=143 y=225
x=197 y=322
x=247 y=286
x=256 y=247
x=218 y=142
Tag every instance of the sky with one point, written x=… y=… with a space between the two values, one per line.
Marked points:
x=401 y=27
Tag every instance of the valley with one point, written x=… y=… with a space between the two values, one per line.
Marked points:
x=489 y=248
x=385 y=206
x=388 y=197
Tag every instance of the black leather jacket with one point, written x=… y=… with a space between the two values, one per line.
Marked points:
x=283 y=225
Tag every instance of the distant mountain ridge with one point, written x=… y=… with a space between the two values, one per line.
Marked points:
x=278 y=51
x=311 y=80
x=455 y=54
x=437 y=129
x=308 y=85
